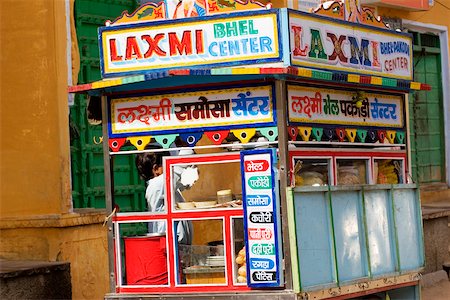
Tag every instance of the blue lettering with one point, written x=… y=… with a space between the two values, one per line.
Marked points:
x=233 y=47
x=253 y=46
x=210 y=49
x=223 y=48
x=265 y=43
x=356 y=52
x=244 y=43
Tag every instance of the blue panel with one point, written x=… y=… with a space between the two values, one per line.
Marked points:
x=409 y=231
x=314 y=239
x=379 y=234
x=349 y=234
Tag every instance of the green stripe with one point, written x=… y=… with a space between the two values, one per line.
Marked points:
x=366 y=233
x=293 y=239
x=336 y=269
x=397 y=250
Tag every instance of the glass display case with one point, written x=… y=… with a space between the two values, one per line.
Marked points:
x=351 y=171
x=213 y=207
x=312 y=171
x=318 y=167
x=388 y=170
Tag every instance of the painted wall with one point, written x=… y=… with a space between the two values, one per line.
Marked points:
x=36 y=218
x=84 y=246
x=439 y=14
x=34 y=113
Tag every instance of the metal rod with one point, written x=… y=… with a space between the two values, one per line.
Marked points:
x=108 y=194
x=283 y=167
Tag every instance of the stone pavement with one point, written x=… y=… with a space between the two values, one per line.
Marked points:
x=435 y=286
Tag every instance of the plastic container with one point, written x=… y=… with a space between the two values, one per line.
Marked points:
x=224 y=196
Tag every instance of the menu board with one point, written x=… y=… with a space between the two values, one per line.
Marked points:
x=261 y=218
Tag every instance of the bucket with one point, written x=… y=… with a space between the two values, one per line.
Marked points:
x=146 y=260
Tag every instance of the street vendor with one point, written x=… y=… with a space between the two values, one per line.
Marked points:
x=150 y=168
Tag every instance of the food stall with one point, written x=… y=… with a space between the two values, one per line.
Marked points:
x=286 y=157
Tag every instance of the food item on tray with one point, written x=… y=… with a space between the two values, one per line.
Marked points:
x=186 y=205
x=348 y=175
x=242 y=270
x=205 y=204
x=309 y=178
x=224 y=196
x=387 y=172
x=234 y=203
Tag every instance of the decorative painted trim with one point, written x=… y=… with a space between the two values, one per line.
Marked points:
x=297 y=72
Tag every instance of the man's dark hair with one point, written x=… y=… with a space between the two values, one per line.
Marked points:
x=145 y=162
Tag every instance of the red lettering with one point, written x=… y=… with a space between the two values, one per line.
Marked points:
x=337 y=51
x=396 y=63
x=113 y=51
x=199 y=41
x=298 y=50
x=178 y=47
x=133 y=50
x=375 y=61
x=153 y=45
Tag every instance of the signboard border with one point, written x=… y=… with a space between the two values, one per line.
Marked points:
x=335 y=124
x=167 y=23
x=360 y=27
x=276 y=216
x=199 y=128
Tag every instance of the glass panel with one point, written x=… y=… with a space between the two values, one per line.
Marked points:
x=351 y=171
x=314 y=172
x=203 y=261
x=379 y=231
x=202 y=186
x=314 y=239
x=349 y=236
x=388 y=171
x=408 y=227
x=144 y=257
x=239 y=259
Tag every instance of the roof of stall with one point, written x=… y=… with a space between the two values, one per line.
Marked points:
x=172 y=78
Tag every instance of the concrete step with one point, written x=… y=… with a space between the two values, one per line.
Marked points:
x=35 y=280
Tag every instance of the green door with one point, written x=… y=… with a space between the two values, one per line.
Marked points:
x=426 y=113
x=86 y=149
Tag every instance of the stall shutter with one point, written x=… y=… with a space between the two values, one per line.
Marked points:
x=86 y=147
x=426 y=113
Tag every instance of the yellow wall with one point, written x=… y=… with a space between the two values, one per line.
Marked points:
x=439 y=14
x=36 y=222
x=69 y=239
x=34 y=112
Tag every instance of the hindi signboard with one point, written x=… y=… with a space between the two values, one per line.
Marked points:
x=199 y=110
x=324 y=43
x=330 y=106
x=261 y=218
x=234 y=39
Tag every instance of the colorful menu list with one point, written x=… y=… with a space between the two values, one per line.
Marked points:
x=261 y=218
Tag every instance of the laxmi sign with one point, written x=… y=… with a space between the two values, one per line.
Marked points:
x=324 y=43
x=206 y=41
